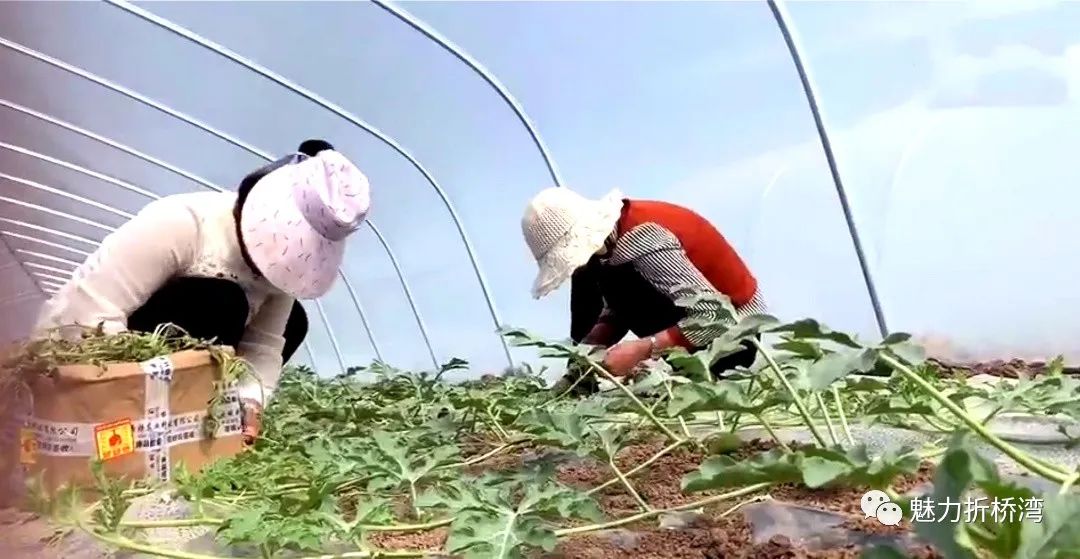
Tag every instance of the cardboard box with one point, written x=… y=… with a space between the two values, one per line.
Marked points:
x=141 y=419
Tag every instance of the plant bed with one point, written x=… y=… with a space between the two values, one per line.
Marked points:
x=387 y=463
x=693 y=535
x=1010 y=368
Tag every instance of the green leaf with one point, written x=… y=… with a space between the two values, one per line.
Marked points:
x=569 y=429
x=724 y=442
x=504 y=517
x=896 y=338
x=907 y=351
x=956 y=473
x=818 y=471
x=719 y=472
x=814 y=467
x=719 y=396
x=865 y=384
x=837 y=365
x=811 y=329
x=801 y=348
x=1057 y=535
x=750 y=326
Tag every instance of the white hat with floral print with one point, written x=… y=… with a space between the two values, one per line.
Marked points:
x=297 y=217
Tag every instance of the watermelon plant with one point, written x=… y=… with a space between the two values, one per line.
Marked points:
x=356 y=464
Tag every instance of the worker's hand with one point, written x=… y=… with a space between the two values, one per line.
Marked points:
x=623 y=357
x=252 y=420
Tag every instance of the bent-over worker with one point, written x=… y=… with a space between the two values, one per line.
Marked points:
x=629 y=261
x=226 y=265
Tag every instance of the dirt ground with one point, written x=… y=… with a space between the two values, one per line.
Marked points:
x=702 y=537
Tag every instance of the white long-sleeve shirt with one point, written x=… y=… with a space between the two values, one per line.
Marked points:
x=184 y=235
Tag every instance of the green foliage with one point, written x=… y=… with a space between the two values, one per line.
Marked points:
x=501 y=516
x=382 y=449
x=813 y=467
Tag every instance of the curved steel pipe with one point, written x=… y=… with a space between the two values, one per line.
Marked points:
x=122 y=184
x=412 y=303
x=109 y=142
x=148 y=102
x=4 y=243
x=192 y=177
x=49 y=230
x=58 y=213
x=43 y=242
x=49 y=277
x=63 y=194
x=792 y=41
x=352 y=119
x=333 y=338
x=311 y=355
x=360 y=308
x=460 y=54
x=49 y=269
x=34 y=254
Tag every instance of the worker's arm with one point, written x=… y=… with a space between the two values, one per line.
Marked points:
x=261 y=347
x=130 y=265
x=662 y=261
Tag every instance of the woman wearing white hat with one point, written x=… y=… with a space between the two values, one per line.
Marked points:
x=228 y=266
x=627 y=260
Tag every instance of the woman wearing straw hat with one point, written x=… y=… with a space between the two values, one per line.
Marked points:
x=628 y=261
x=226 y=266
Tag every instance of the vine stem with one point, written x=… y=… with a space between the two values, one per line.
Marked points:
x=657 y=512
x=1069 y=483
x=1006 y=448
x=629 y=487
x=682 y=422
x=478 y=459
x=791 y=390
x=117 y=540
x=719 y=414
x=660 y=454
x=828 y=420
x=468 y=462
x=773 y=434
x=735 y=420
x=210 y=521
x=503 y=435
x=630 y=394
x=569 y=389
x=843 y=417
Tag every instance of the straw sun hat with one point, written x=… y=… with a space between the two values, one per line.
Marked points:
x=563 y=230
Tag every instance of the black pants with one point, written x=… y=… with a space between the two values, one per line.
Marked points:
x=210 y=308
x=744 y=358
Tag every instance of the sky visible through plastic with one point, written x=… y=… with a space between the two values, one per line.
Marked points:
x=954 y=125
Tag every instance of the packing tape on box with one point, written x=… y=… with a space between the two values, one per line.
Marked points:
x=154 y=433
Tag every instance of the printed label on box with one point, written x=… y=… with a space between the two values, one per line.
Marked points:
x=115 y=439
x=27 y=446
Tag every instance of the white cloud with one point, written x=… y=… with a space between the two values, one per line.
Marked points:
x=1012 y=75
x=974 y=240
x=994 y=9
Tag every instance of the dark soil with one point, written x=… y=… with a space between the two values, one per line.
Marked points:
x=706 y=537
x=1013 y=368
